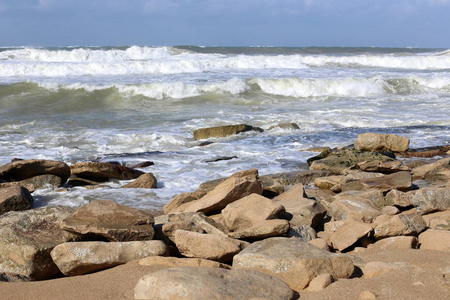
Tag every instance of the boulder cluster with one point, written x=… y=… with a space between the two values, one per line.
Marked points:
x=242 y=237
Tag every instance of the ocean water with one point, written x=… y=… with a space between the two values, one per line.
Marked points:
x=134 y=104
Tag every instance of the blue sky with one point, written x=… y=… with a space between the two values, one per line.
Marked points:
x=381 y=23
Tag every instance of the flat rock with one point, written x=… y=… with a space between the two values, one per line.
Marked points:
x=207 y=246
x=103 y=171
x=402 y=224
x=386 y=167
x=353 y=207
x=78 y=258
x=293 y=261
x=261 y=230
x=145 y=181
x=395 y=243
x=25 y=169
x=183 y=199
x=181 y=262
x=349 y=233
x=15 y=198
x=210 y=283
x=435 y=240
x=400 y=181
x=237 y=186
x=223 y=131
x=107 y=220
x=428 y=200
x=438 y=220
x=328 y=182
x=378 y=268
x=421 y=171
x=376 y=141
x=169 y=228
x=250 y=210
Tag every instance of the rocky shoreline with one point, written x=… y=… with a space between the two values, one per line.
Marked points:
x=316 y=234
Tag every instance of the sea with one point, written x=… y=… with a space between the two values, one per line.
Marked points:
x=140 y=103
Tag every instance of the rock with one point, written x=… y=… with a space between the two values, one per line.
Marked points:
x=237 y=186
x=426 y=152
x=303 y=232
x=435 y=240
x=349 y=233
x=293 y=261
x=169 y=228
x=386 y=167
x=304 y=177
x=249 y=211
x=320 y=243
x=428 y=200
x=107 y=220
x=339 y=162
x=210 y=283
x=145 y=181
x=324 y=152
x=183 y=199
x=285 y=126
x=421 y=171
x=87 y=257
x=15 y=198
x=353 y=207
x=207 y=246
x=209 y=225
x=402 y=224
x=328 y=182
x=300 y=210
x=439 y=176
x=376 y=197
x=272 y=187
x=25 y=169
x=26 y=239
x=400 y=181
x=181 y=262
x=390 y=210
x=320 y=283
x=261 y=230
x=223 y=131
x=376 y=268
x=103 y=171
x=36 y=182
x=438 y=220
x=398 y=198
x=376 y=141
x=394 y=243
x=367 y=295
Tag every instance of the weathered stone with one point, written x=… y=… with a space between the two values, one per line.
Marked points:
x=237 y=186
x=169 y=228
x=181 y=262
x=320 y=195
x=402 y=224
x=376 y=141
x=264 y=229
x=421 y=171
x=107 y=220
x=328 y=182
x=399 y=198
x=435 y=240
x=304 y=177
x=376 y=197
x=320 y=283
x=145 y=181
x=385 y=167
x=25 y=169
x=293 y=261
x=390 y=210
x=400 y=181
x=320 y=243
x=15 y=198
x=349 y=233
x=103 y=171
x=249 y=211
x=378 y=268
x=209 y=225
x=223 y=131
x=439 y=176
x=210 y=283
x=36 y=182
x=87 y=257
x=428 y=200
x=394 y=243
x=303 y=232
x=300 y=210
x=272 y=187
x=427 y=152
x=26 y=239
x=438 y=220
x=183 y=199
x=353 y=207
x=340 y=162
x=208 y=246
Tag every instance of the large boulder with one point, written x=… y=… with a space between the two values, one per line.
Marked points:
x=402 y=224
x=183 y=199
x=377 y=141
x=349 y=233
x=429 y=200
x=145 y=181
x=353 y=207
x=210 y=283
x=435 y=240
x=249 y=211
x=237 y=186
x=207 y=246
x=25 y=169
x=107 y=220
x=264 y=229
x=78 y=258
x=103 y=171
x=421 y=171
x=293 y=261
x=394 y=243
x=28 y=237
x=15 y=198
x=36 y=182
x=223 y=131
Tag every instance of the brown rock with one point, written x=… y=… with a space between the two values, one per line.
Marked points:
x=349 y=233
x=250 y=210
x=438 y=220
x=376 y=141
x=395 y=243
x=377 y=268
x=25 y=169
x=376 y=197
x=145 y=181
x=87 y=257
x=419 y=172
x=107 y=220
x=304 y=232
x=435 y=240
x=400 y=181
x=223 y=131
x=402 y=224
x=353 y=207
x=181 y=262
x=428 y=200
x=261 y=230
x=399 y=198
x=36 y=182
x=210 y=283
x=293 y=261
x=320 y=243
x=237 y=186
x=169 y=228
x=103 y=171
x=15 y=198
x=183 y=199
x=207 y=246
x=320 y=283
x=328 y=182
x=386 y=167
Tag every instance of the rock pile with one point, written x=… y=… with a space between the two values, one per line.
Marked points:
x=233 y=238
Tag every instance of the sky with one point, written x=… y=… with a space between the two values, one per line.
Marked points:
x=301 y=23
